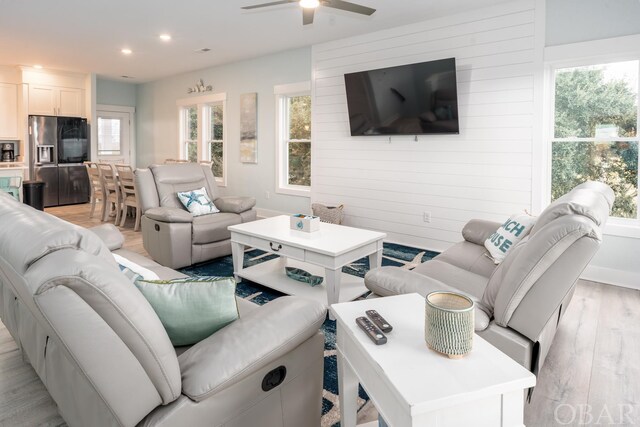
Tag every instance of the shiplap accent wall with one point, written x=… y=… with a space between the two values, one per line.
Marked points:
x=485 y=172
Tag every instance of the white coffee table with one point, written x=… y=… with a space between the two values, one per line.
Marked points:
x=411 y=385
x=322 y=253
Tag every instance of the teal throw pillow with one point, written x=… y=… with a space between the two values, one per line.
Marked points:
x=191 y=309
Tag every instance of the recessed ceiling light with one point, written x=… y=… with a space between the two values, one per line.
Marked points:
x=126 y=51
x=165 y=37
x=203 y=50
x=309 y=4
x=38 y=66
x=127 y=77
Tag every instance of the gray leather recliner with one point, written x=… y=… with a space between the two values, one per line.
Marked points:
x=519 y=303
x=105 y=358
x=170 y=234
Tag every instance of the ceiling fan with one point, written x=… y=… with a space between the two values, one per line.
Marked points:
x=309 y=7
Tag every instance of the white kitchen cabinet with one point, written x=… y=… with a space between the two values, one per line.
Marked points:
x=8 y=111
x=42 y=100
x=70 y=102
x=56 y=101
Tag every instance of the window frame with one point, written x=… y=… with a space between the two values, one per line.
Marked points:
x=207 y=137
x=583 y=55
x=202 y=104
x=184 y=131
x=282 y=94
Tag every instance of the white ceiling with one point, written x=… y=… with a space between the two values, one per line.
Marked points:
x=87 y=35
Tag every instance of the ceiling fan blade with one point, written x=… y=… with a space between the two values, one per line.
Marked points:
x=349 y=7
x=273 y=3
x=307 y=16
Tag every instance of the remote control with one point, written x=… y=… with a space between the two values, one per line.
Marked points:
x=379 y=321
x=370 y=329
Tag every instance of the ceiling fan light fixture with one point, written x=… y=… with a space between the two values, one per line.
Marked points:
x=309 y=4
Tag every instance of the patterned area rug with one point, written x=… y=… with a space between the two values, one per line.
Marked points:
x=393 y=255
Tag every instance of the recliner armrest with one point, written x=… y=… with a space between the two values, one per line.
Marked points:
x=233 y=204
x=110 y=235
x=388 y=281
x=169 y=215
x=248 y=344
x=478 y=230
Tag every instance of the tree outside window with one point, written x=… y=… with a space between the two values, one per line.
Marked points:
x=595 y=131
x=191 y=133
x=216 y=139
x=298 y=143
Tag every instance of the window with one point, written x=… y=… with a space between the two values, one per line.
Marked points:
x=298 y=141
x=594 y=132
x=202 y=133
x=294 y=139
x=109 y=136
x=190 y=134
x=215 y=138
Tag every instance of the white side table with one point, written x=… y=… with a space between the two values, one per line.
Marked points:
x=411 y=385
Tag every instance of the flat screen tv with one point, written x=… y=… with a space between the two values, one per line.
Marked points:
x=414 y=99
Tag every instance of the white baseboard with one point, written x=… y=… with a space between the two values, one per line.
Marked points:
x=612 y=276
x=268 y=213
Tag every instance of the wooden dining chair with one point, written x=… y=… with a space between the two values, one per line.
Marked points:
x=111 y=189
x=128 y=194
x=97 y=194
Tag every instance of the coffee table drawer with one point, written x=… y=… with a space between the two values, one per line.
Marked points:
x=278 y=248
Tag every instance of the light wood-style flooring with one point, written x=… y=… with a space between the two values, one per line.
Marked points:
x=591 y=375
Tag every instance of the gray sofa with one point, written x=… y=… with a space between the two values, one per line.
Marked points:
x=102 y=353
x=170 y=234
x=520 y=302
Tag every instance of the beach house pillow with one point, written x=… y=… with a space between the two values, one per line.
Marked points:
x=197 y=202
x=192 y=308
x=134 y=271
x=508 y=234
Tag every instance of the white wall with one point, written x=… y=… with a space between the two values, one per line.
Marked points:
x=572 y=21
x=112 y=92
x=157 y=134
x=485 y=172
x=616 y=262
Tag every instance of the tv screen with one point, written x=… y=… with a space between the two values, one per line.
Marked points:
x=413 y=99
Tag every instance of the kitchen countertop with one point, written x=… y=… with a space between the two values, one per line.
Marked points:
x=13 y=165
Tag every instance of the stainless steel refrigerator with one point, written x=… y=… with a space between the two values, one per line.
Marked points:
x=58 y=147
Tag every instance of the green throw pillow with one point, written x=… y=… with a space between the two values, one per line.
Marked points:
x=191 y=309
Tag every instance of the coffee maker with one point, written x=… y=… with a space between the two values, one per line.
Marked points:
x=7 y=152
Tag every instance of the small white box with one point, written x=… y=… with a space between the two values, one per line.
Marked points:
x=306 y=223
